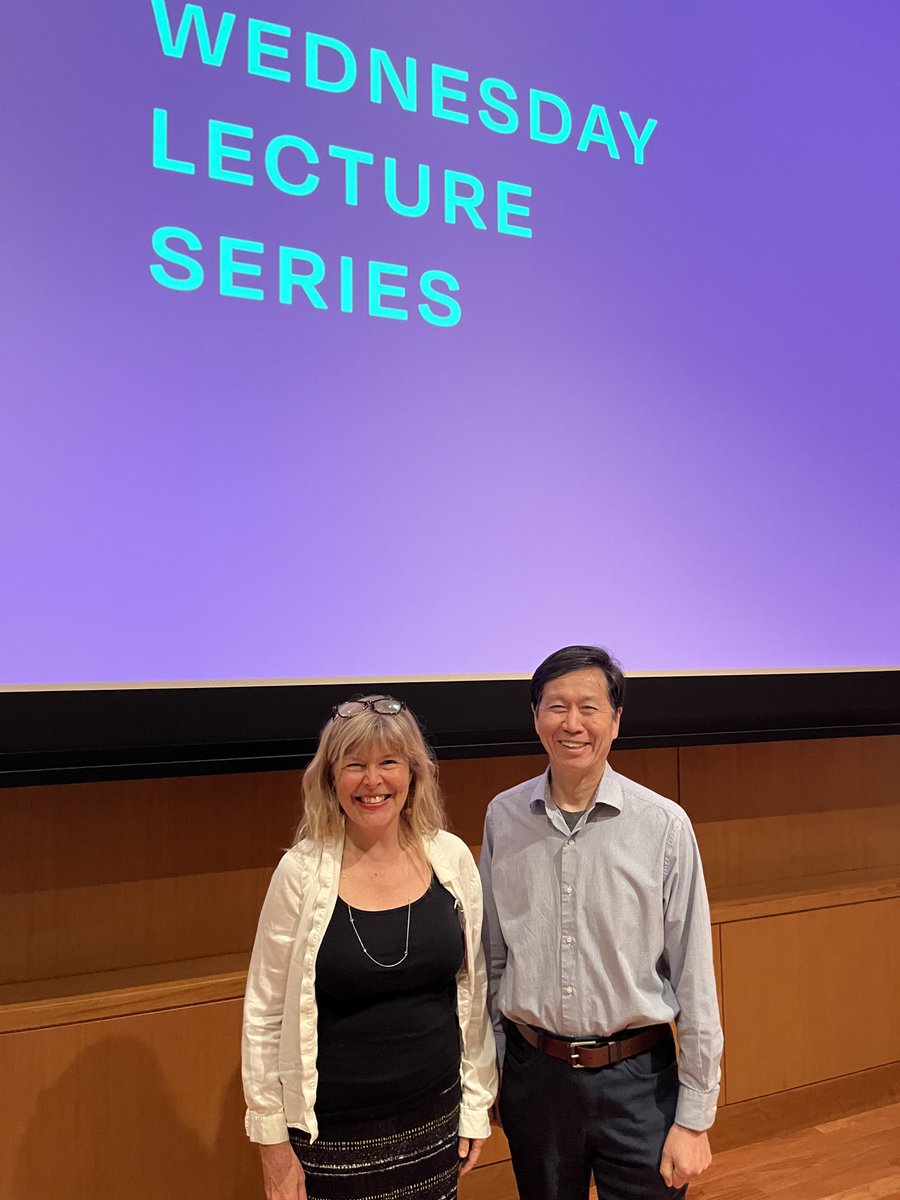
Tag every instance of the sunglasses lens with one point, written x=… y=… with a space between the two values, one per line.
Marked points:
x=350 y=708
x=388 y=706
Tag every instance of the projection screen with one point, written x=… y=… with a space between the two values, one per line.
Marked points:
x=392 y=341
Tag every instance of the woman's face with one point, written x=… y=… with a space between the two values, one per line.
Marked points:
x=372 y=786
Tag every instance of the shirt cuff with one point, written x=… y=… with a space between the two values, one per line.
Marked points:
x=696 y=1110
x=474 y=1122
x=266 y=1128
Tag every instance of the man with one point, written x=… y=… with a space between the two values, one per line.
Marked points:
x=597 y=937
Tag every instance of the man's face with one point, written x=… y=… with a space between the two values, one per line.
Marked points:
x=576 y=722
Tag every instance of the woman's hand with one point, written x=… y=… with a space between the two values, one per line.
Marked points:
x=282 y=1174
x=469 y=1153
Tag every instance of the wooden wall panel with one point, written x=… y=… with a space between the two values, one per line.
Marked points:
x=113 y=875
x=762 y=779
x=74 y=931
x=87 y=834
x=136 y=1108
x=496 y=1149
x=469 y=785
x=101 y=877
x=761 y=850
x=655 y=769
x=810 y=996
x=717 y=967
x=783 y=1112
x=104 y=876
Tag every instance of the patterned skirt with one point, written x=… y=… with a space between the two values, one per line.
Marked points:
x=408 y=1157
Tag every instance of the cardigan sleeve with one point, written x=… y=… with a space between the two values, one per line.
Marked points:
x=264 y=1001
x=478 y=1068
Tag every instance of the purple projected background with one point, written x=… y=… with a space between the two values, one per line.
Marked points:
x=667 y=421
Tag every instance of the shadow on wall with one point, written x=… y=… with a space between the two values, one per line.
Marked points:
x=108 y=1128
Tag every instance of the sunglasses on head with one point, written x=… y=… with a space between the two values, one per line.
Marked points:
x=352 y=708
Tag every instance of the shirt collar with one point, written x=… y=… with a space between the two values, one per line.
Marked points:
x=608 y=793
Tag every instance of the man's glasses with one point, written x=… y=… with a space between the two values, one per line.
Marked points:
x=352 y=708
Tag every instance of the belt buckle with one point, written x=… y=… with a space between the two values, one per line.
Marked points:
x=574 y=1055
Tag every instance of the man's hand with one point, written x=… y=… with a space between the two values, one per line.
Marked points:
x=686 y=1155
x=469 y=1153
x=282 y=1174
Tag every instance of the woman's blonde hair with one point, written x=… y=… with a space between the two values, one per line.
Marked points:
x=392 y=733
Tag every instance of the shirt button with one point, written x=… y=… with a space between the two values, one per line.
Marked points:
x=568 y=889
x=567 y=991
x=567 y=940
x=570 y=842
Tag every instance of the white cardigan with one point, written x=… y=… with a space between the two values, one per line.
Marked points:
x=280 y=1039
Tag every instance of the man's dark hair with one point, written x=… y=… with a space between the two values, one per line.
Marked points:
x=579 y=658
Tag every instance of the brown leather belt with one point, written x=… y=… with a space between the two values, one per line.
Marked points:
x=593 y=1052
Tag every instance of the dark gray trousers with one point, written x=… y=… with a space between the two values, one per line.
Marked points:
x=564 y=1124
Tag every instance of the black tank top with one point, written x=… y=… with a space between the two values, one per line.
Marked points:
x=388 y=1037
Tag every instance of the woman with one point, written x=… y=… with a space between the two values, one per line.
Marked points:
x=368 y=1057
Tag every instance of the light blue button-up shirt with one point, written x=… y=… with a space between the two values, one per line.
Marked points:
x=603 y=927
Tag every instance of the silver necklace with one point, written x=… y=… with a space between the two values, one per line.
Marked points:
x=387 y=966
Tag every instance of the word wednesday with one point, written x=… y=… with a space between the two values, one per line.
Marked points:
x=330 y=65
